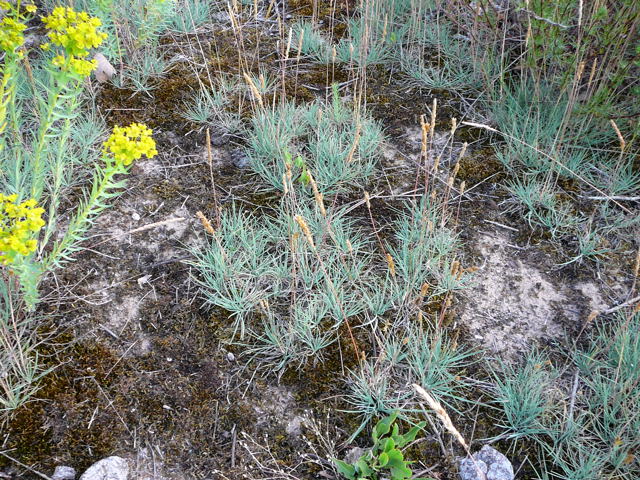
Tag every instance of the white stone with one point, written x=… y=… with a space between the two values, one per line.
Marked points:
x=64 y=473
x=110 y=468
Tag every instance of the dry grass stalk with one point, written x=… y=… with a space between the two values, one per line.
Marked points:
x=295 y=87
x=356 y=141
x=593 y=70
x=391 y=264
x=463 y=150
x=443 y=416
x=436 y=164
x=424 y=127
x=367 y=202
x=636 y=271
x=206 y=224
x=455 y=267
x=254 y=90
x=285 y=62
x=456 y=169
x=293 y=241
x=424 y=290
x=213 y=183
x=623 y=144
x=318 y=196
x=434 y=110
x=305 y=230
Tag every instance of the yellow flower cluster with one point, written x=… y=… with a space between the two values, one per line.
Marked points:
x=18 y=223
x=76 y=32
x=11 y=34
x=11 y=37
x=79 y=66
x=9 y=6
x=127 y=144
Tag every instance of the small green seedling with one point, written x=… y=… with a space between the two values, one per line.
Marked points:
x=304 y=178
x=385 y=457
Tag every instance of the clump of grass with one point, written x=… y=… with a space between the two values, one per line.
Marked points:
x=367 y=43
x=237 y=270
x=19 y=362
x=191 y=15
x=410 y=355
x=143 y=70
x=541 y=149
x=211 y=107
x=434 y=57
x=450 y=75
x=289 y=289
x=589 y=429
x=340 y=147
x=524 y=394
x=422 y=255
x=311 y=42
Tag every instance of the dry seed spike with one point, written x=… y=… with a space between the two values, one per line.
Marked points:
x=434 y=110
x=356 y=141
x=442 y=415
x=305 y=230
x=254 y=89
x=391 y=264
x=206 y=224
x=349 y=246
x=623 y=144
x=317 y=195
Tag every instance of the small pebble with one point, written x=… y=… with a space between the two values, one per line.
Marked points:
x=64 y=473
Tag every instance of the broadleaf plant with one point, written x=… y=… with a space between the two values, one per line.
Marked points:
x=385 y=459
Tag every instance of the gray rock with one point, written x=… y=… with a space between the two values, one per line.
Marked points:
x=110 y=468
x=354 y=454
x=294 y=427
x=239 y=158
x=492 y=464
x=64 y=473
x=104 y=70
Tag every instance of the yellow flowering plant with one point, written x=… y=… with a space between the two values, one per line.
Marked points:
x=127 y=144
x=12 y=26
x=71 y=35
x=37 y=162
x=11 y=37
x=124 y=145
x=76 y=33
x=19 y=224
